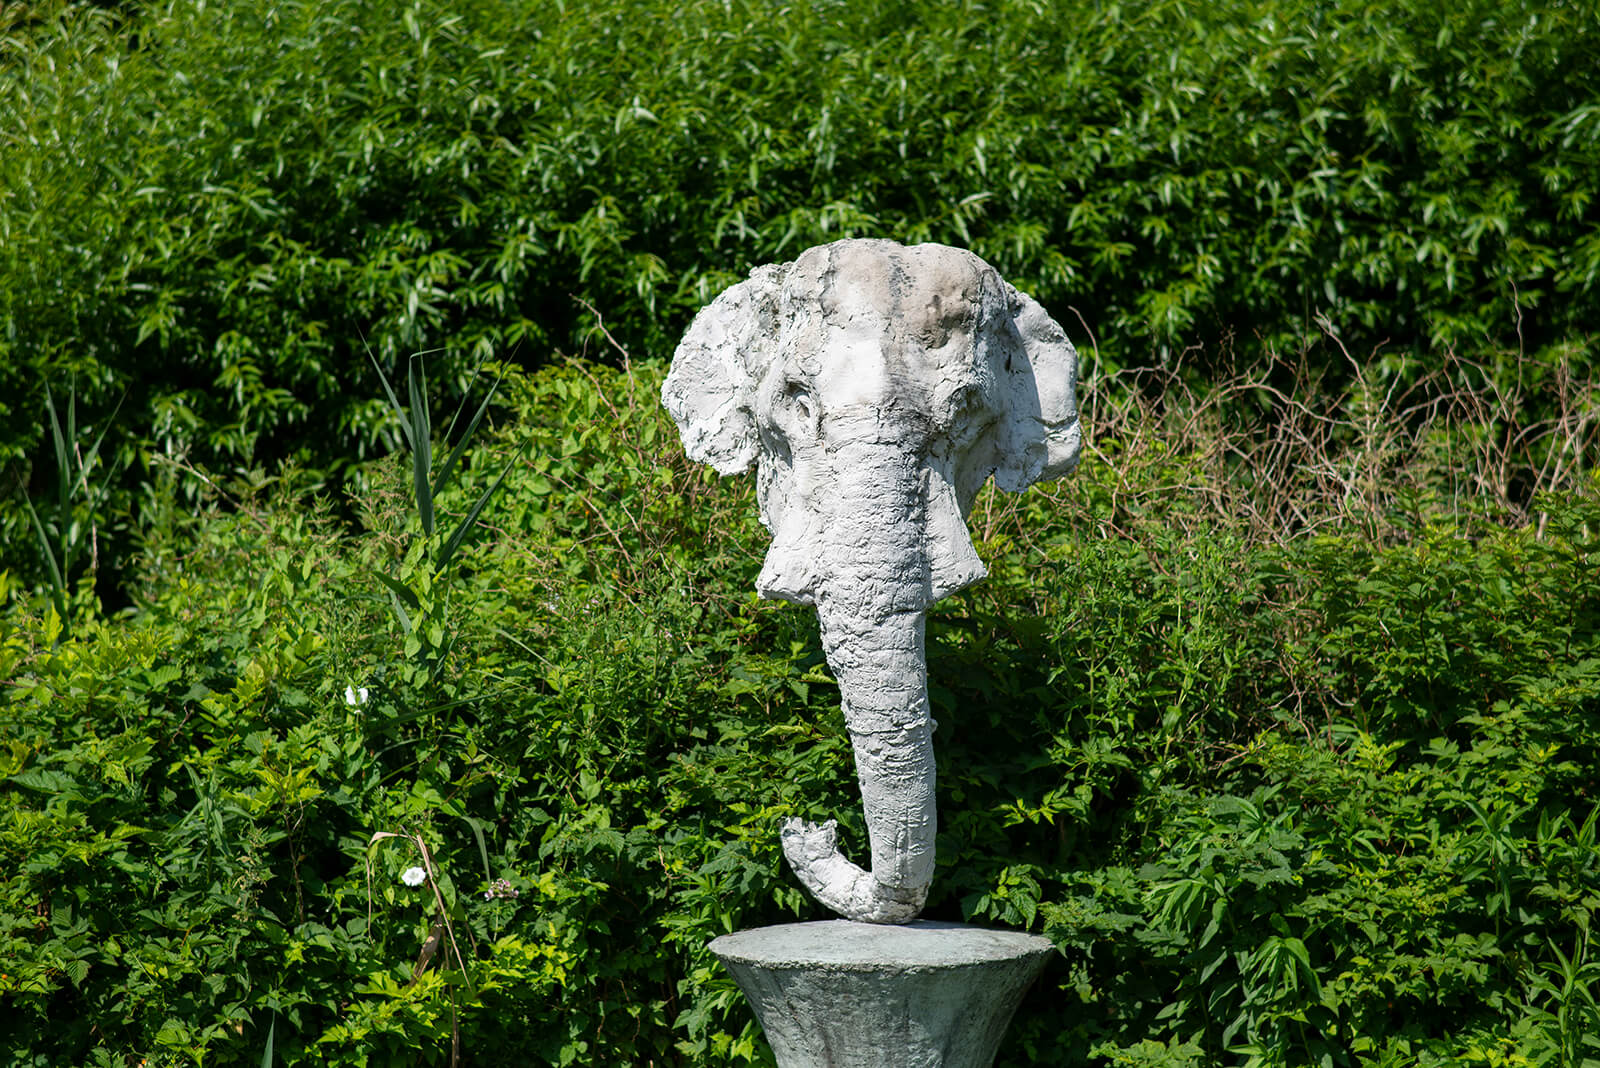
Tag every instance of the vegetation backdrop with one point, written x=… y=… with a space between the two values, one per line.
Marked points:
x=336 y=730
x=204 y=207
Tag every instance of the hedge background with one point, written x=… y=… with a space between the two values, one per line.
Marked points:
x=211 y=209
x=1280 y=718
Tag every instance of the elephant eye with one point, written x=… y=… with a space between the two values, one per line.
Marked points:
x=802 y=407
x=966 y=414
x=965 y=402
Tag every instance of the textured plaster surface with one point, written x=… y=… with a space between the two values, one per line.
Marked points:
x=875 y=387
x=854 y=995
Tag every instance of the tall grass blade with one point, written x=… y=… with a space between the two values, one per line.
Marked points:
x=442 y=479
x=94 y=450
x=421 y=442
x=459 y=534
x=63 y=465
x=57 y=580
x=483 y=848
x=402 y=595
x=394 y=401
x=272 y=1034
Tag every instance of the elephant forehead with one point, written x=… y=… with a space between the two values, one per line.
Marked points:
x=922 y=293
x=876 y=324
x=940 y=294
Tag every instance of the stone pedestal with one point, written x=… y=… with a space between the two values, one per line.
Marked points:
x=838 y=994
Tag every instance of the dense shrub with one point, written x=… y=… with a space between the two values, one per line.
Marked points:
x=1278 y=799
x=207 y=206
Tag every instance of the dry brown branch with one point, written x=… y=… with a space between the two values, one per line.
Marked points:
x=1401 y=442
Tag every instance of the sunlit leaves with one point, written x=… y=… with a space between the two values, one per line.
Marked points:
x=277 y=180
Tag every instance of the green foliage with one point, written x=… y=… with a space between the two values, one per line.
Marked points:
x=420 y=591
x=206 y=205
x=1281 y=719
x=1327 y=798
x=71 y=526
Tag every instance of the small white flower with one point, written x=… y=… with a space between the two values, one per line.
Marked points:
x=354 y=696
x=413 y=876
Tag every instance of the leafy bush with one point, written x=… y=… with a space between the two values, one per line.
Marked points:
x=206 y=206
x=1277 y=797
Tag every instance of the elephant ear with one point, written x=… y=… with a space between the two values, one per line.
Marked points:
x=1036 y=369
x=710 y=389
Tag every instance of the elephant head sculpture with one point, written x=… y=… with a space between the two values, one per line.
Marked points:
x=875 y=387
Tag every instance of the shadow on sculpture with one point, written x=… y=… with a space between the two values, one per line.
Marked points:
x=876 y=387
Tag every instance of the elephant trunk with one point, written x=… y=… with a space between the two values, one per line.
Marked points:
x=871 y=597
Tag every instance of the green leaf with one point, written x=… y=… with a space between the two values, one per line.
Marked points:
x=57 y=578
x=421 y=441
x=272 y=1034
x=394 y=402
x=454 y=543
x=63 y=455
x=443 y=478
x=483 y=848
x=402 y=597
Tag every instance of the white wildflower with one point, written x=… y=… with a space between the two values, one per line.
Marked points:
x=413 y=876
x=354 y=696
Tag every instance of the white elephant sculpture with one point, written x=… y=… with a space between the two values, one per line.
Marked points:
x=876 y=386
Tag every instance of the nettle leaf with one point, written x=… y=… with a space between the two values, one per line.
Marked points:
x=46 y=781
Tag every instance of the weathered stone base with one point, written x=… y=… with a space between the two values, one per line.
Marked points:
x=838 y=994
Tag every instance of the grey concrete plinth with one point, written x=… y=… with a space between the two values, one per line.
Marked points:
x=838 y=994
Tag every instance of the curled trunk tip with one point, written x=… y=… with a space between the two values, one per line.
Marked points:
x=812 y=851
